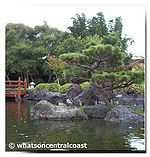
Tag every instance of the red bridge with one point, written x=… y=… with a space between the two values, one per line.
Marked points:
x=16 y=88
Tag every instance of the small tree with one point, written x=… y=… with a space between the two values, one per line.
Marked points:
x=101 y=63
x=57 y=66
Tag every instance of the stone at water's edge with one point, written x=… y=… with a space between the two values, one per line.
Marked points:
x=123 y=114
x=96 y=111
x=42 y=94
x=44 y=109
x=135 y=99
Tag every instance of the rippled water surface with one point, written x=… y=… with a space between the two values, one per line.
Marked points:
x=98 y=134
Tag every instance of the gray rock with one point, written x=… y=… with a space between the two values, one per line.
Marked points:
x=96 y=111
x=134 y=99
x=73 y=90
x=106 y=92
x=44 y=109
x=41 y=94
x=121 y=113
x=87 y=98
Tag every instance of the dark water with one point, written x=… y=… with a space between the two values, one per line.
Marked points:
x=98 y=134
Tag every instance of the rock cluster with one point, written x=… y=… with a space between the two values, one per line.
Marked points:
x=54 y=105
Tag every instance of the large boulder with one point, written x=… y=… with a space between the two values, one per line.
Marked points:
x=86 y=98
x=89 y=97
x=123 y=114
x=73 y=90
x=44 y=109
x=107 y=92
x=96 y=111
x=135 y=99
x=41 y=94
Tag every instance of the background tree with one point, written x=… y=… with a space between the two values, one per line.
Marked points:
x=97 y=25
x=79 y=27
x=57 y=66
x=26 y=49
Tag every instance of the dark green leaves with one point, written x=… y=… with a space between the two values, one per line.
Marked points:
x=76 y=57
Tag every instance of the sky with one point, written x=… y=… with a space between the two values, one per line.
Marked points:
x=58 y=14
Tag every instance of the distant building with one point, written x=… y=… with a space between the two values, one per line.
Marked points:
x=137 y=64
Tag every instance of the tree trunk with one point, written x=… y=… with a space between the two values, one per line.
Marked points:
x=102 y=94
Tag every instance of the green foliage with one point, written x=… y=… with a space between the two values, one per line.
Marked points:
x=30 y=89
x=112 y=39
x=56 y=64
x=75 y=73
x=110 y=107
x=25 y=47
x=63 y=89
x=53 y=87
x=138 y=76
x=83 y=27
x=42 y=85
x=134 y=88
x=62 y=81
x=82 y=107
x=79 y=27
x=85 y=85
x=98 y=77
x=138 y=110
x=97 y=25
x=38 y=80
x=77 y=57
x=69 y=44
x=111 y=77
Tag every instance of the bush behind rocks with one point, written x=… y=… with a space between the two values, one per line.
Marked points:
x=63 y=88
x=53 y=87
x=85 y=85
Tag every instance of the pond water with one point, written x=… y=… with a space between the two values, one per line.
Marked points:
x=98 y=134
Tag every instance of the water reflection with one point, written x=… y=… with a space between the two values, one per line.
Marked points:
x=98 y=134
x=16 y=110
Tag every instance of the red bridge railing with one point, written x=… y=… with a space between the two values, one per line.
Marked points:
x=18 y=85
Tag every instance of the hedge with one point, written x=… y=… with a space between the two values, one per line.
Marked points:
x=42 y=85
x=85 y=85
x=134 y=88
x=63 y=89
x=53 y=87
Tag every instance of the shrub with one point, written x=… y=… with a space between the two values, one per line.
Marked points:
x=63 y=89
x=41 y=85
x=85 y=85
x=53 y=87
x=30 y=89
x=134 y=88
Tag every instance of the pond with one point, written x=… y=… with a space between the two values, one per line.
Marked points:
x=98 y=134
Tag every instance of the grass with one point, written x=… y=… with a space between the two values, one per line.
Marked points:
x=137 y=110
